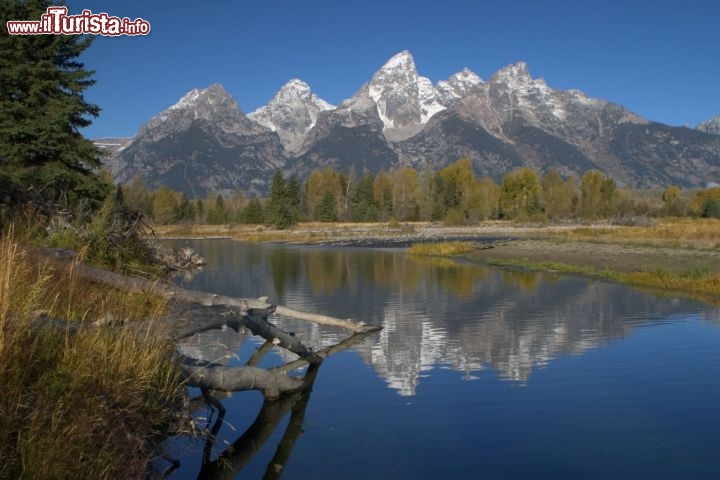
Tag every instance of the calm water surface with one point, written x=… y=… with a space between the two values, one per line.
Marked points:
x=478 y=373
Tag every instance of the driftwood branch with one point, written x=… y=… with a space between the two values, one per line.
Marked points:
x=197 y=319
x=205 y=311
x=294 y=429
x=323 y=353
x=272 y=382
x=230 y=462
x=211 y=376
x=138 y=284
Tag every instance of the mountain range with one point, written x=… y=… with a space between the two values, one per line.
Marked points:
x=205 y=143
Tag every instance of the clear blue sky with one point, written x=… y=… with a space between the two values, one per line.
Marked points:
x=659 y=58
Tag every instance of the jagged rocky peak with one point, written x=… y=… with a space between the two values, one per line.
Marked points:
x=517 y=71
x=292 y=112
x=517 y=79
x=711 y=126
x=406 y=101
x=202 y=100
x=403 y=97
x=513 y=91
x=457 y=86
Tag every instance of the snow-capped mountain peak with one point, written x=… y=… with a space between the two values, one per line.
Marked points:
x=188 y=100
x=294 y=90
x=197 y=95
x=401 y=61
x=517 y=71
x=213 y=105
x=465 y=78
x=403 y=98
x=291 y=113
x=456 y=86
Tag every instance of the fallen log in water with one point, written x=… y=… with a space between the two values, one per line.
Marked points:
x=207 y=311
x=272 y=382
x=137 y=284
x=210 y=376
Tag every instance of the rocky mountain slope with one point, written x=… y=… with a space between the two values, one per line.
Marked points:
x=205 y=143
x=202 y=144
x=514 y=120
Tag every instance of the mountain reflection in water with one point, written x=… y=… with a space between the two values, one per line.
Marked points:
x=436 y=313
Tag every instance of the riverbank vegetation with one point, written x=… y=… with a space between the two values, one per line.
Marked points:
x=86 y=390
x=85 y=404
x=698 y=233
x=442 y=248
x=699 y=283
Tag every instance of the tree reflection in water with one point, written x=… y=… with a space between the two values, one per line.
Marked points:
x=234 y=458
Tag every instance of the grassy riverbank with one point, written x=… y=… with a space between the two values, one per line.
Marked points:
x=681 y=255
x=86 y=405
x=688 y=233
x=697 y=283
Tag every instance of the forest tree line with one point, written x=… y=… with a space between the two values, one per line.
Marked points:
x=452 y=195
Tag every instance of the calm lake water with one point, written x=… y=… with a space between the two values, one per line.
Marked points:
x=478 y=372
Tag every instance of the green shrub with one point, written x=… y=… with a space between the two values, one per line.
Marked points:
x=453 y=218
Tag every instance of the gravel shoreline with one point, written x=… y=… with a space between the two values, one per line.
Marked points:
x=405 y=242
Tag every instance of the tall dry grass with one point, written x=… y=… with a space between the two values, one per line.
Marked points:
x=701 y=233
x=83 y=405
x=442 y=248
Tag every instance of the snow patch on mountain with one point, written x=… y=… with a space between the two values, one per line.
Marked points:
x=189 y=99
x=428 y=97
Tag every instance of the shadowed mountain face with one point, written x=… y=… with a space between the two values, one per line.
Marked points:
x=204 y=143
x=352 y=134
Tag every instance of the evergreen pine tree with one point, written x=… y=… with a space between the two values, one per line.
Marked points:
x=293 y=191
x=327 y=209
x=362 y=202
x=711 y=208
x=218 y=214
x=200 y=211
x=253 y=212
x=277 y=212
x=43 y=109
x=185 y=211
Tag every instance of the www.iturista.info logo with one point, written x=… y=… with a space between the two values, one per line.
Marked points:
x=56 y=21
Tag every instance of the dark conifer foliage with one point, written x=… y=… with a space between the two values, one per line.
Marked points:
x=43 y=155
